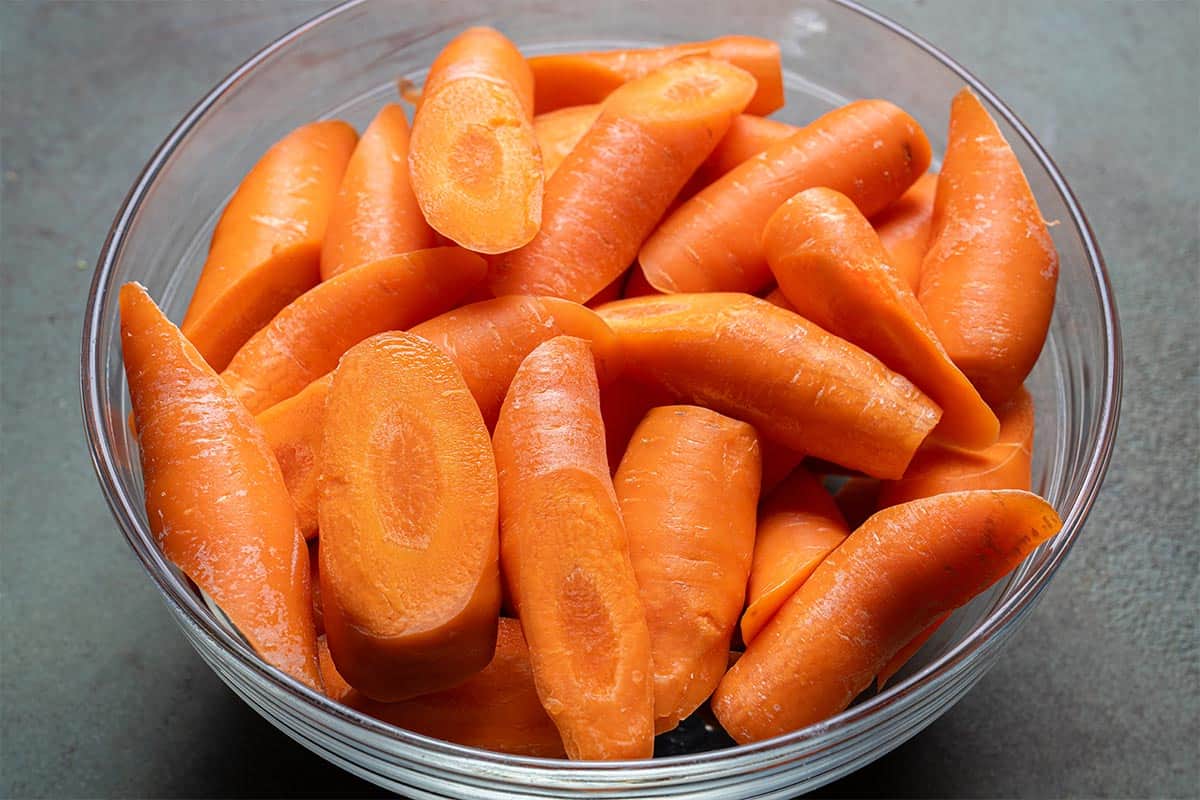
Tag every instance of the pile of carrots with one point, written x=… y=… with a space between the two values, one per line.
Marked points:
x=516 y=428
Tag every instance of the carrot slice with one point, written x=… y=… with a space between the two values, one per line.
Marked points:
x=798 y=385
x=293 y=428
x=266 y=247
x=903 y=228
x=688 y=491
x=489 y=340
x=559 y=131
x=897 y=662
x=989 y=279
x=572 y=79
x=858 y=498
x=305 y=340
x=375 y=213
x=215 y=498
x=565 y=557
x=474 y=159
x=410 y=577
x=869 y=150
x=833 y=270
x=886 y=583
x=798 y=526
x=615 y=184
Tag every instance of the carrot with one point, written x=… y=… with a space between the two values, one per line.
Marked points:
x=610 y=292
x=798 y=385
x=215 y=499
x=305 y=340
x=559 y=131
x=293 y=428
x=410 y=577
x=572 y=79
x=375 y=213
x=266 y=247
x=887 y=582
x=747 y=137
x=776 y=298
x=496 y=709
x=637 y=285
x=615 y=184
x=565 y=556
x=903 y=228
x=896 y=662
x=989 y=278
x=623 y=404
x=474 y=159
x=798 y=526
x=778 y=462
x=833 y=270
x=489 y=340
x=314 y=583
x=858 y=498
x=688 y=491
x=870 y=150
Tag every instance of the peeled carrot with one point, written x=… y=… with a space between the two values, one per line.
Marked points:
x=410 y=577
x=566 y=559
x=572 y=79
x=610 y=292
x=798 y=526
x=748 y=136
x=375 y=213
x=489 y=340
x=623 y=404
x=293 y=428
x=615 y=184
x=776 y=298
x=559 y=131
x=989 y=278
x=266 y=247
x=476 y=170
x=903 y=228
x=215 y=498
x=858 y=498
x=798 y=385
x=305 y=340
x=896 y=662
x=887 y=582
x=831 y=267
x=869 y=150
x=688 y=491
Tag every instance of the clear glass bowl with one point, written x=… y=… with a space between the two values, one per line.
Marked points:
x=345 y=64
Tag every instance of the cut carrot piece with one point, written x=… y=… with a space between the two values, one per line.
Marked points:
x=306 y=339
x=474 y=159
x=572 y=79
x=375 y=214
x=610 y=292
x=897 y=662
x=615 y=184
x=497 y=709
x=489 y=340
x=778 y=461
x=869 y=150
x=776 y=298
x=798 y=526
x=858 y=498
x=623 y=405
x=798 y=385
x=688 y=491
x=215 y=499
x=410 y=577
x=747 y=137
x=833 y=270
x=903 y=228
x=887 y=582
x=293 y=428
x=566 y=558
x=989 y=279
x=559 y=131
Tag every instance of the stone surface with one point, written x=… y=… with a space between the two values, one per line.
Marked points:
x=100 y=696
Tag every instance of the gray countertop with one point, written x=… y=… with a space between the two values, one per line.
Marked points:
x=101 y=696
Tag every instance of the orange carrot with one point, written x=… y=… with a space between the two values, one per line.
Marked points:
x=215 y=498
x=776 y=298
x=476 y=170
x=489 y=340
x=293 y=428
x=798 y=385
x=798 y=526
x=887 y=582
x=615 y=184
x=410 y=576
x=870 y=150
x=896 y=662
x=610 y=292
x=623 y=404
x=306 y=339
x=637 y=285
x=375 y=214
x=497 y=709
x=903 y=228
x=747 y=137
x=989 y=279
x=566 y=557
x=559 y=131
x=688 y=491
x=314 y=583
x=266 y=247
x=833 y=270
x=572 y=79
x=858 y=498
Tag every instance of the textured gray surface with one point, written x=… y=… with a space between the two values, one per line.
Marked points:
x=101 y=696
